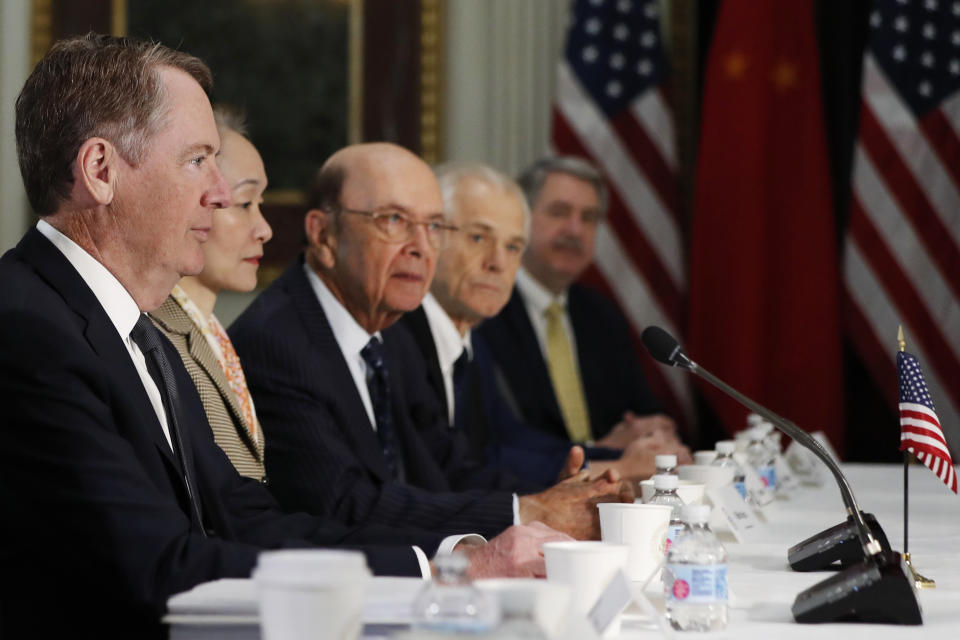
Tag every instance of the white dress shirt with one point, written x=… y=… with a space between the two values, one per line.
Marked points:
x=352 y=338
x=117 y=303
x=449 y=343
x=536 y=299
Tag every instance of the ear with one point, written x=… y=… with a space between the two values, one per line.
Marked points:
x=319 y=226
x=97 y=170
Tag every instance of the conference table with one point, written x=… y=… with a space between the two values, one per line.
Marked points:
x=762 y=586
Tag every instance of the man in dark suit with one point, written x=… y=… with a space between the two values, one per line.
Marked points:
x=351 y=429
x=564 y=349
x=115 y=496
x=476 y=267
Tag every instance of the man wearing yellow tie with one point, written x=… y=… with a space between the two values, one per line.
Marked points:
x=564 y=349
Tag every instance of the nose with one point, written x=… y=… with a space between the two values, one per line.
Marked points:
x=419 y=244
x=574 y=223
x=218 y=195
x=262 y=230
x=496 y=256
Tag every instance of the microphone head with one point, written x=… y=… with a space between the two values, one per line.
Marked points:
x=664 y=347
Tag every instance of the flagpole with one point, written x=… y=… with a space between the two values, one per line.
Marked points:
x=920 y=581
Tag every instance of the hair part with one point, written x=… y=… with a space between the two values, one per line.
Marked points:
x=92 y=86
x=532 y=178
x=452 y=175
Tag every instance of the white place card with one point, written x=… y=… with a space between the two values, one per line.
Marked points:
x=611 y=603
x=737 y=514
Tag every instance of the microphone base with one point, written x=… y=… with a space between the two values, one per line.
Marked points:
x=839 y=543
x=877 y=590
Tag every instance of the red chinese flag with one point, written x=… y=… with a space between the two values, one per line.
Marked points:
x=764 y=297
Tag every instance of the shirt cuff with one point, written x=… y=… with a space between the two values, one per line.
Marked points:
x=423 y=562
x=450 y=542
x=516 y=510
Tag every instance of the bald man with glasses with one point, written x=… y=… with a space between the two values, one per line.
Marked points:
x=351 y=428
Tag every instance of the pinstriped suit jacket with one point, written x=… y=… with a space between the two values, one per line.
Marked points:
x=322 y=454
x=230 y=429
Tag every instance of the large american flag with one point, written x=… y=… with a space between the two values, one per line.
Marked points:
x=902 y=257
x=610 y=109
x=920 y=431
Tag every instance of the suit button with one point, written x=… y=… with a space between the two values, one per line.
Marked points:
x=265 y=481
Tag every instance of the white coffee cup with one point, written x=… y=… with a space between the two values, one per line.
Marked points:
x=689 y=492
x=587 y=568
x=642 y=527
x=704 y=456
x=311 y=593
x=709 y=475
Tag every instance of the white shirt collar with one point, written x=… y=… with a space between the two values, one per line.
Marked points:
x=450 y=344
x=537 y=296
x=113 y=297
x=351 y=337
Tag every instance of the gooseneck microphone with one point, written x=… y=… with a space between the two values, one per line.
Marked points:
x=874 y=587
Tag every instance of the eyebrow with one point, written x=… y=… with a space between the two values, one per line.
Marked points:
x=245 y=182
x=196 y=148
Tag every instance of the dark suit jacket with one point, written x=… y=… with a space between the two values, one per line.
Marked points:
x=322 y=454
x=612 y=379
x=97 y=532
x=497 y=437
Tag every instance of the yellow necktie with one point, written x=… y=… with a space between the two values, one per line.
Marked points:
x=565 y=378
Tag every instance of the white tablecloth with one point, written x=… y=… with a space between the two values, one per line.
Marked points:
x=762 y=585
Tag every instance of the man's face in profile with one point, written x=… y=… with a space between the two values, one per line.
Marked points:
x=165 y=204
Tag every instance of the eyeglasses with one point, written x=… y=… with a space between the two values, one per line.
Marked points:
x=396 y=226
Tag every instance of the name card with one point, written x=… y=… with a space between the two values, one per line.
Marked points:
x=611 y=603
x=737 y=514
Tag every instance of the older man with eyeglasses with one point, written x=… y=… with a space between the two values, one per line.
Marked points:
x=352 y=429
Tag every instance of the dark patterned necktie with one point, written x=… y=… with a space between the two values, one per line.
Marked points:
x=460 y=367
x=146 y=336
x=378 y=383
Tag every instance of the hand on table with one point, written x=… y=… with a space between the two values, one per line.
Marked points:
x=515 y=553
x=570 y=506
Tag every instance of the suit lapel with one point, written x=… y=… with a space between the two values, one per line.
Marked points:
x=204 y=356
x=100 y=332
x=331 y=365
x=536 y=377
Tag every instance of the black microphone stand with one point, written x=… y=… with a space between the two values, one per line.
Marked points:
x=877 y=588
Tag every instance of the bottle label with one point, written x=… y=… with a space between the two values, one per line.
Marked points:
x=696 y=583
x=741 y=488
x=672 y=532
x=768 y=474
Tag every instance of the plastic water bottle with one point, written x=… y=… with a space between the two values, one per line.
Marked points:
x=666 y=464
x=695 y=576
x=725 y=450
x=451 y=604
x=759 y=457
x=665 y=492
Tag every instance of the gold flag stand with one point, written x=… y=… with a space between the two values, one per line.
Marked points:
x=920 y=581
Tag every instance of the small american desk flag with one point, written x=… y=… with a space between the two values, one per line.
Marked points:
x=920 y=431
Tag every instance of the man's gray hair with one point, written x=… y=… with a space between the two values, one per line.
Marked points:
x=450 y=175
x=532 y=178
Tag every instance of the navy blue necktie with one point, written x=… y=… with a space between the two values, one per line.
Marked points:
x=146 y=336
x=378 y=383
